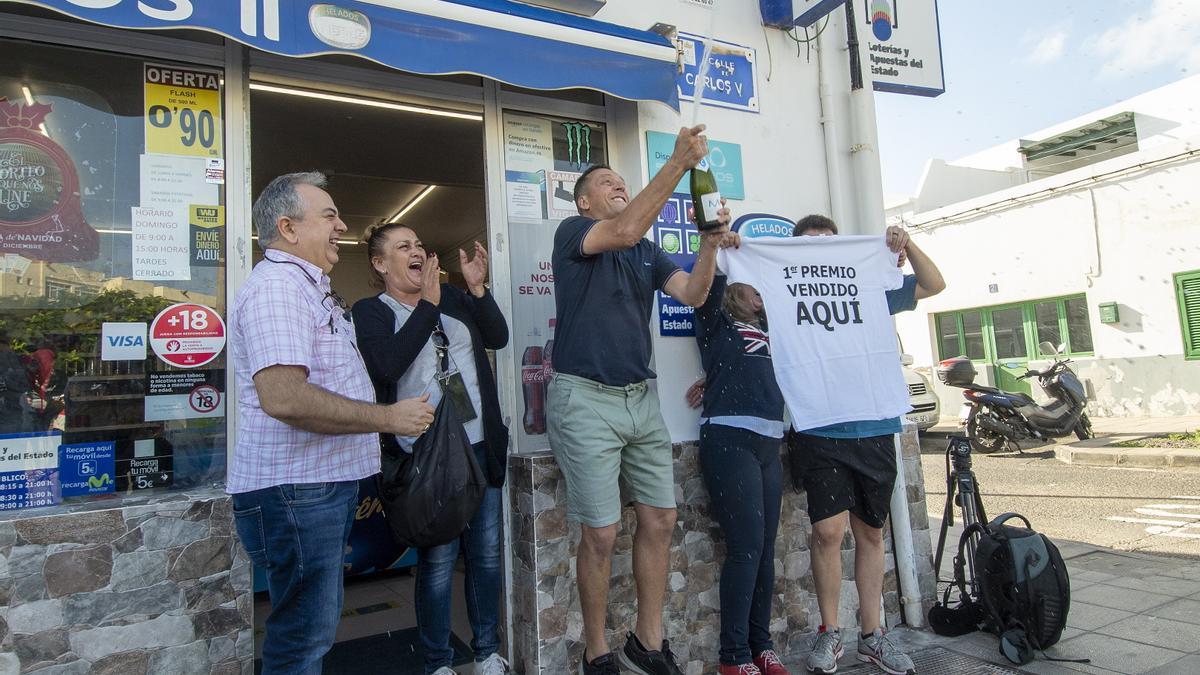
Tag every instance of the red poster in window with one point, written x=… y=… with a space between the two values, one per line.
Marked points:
x=41 y=217
x=187 y=335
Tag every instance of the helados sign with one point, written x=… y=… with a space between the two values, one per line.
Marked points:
x=757 y=225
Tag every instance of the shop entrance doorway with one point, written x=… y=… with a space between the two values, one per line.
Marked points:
x=386 y=162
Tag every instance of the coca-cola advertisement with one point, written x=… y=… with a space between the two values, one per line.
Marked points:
x=533 y=327
x=41 y=217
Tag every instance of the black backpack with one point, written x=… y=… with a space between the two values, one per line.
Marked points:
x=1023 y=585
x=430 y=496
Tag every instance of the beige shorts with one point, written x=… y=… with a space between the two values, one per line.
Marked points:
x=605 y=439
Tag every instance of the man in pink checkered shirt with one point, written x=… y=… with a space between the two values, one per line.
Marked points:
x=309 y=425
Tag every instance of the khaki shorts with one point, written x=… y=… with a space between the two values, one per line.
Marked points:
x=605 y=439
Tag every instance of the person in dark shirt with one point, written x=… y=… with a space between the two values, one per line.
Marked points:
x=741 y=432
x=421 y=337
x=603 y=420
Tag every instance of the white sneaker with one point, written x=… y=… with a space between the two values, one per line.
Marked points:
x=492 y=665
x=444 y=671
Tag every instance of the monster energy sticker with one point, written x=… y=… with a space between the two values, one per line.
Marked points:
x=579 y=143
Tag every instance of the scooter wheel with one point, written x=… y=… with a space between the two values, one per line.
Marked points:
x=983 y=441
x=1083 y=430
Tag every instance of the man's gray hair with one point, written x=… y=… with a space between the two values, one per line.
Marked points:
x=279 y=199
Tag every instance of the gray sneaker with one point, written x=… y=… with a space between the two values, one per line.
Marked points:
x=826 y=652
x=492 y=665
x=878 y=649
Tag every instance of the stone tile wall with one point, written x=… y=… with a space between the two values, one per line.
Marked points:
x=547 y=621
x=159 y=587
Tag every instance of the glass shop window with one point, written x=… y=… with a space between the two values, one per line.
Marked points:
x=112 y=276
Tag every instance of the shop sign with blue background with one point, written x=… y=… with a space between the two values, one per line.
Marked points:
x=732 y=75
x=678 y=237
x=87 y=468
x=759 y=225
x=432 y=38
x=725 y=159
x=29 y=470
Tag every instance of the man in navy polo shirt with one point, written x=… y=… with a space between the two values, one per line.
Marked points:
x=603 y=420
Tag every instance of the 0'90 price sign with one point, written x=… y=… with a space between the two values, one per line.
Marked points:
x=187 y=335
x=183 y=111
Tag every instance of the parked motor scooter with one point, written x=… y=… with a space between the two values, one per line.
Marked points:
x=996 y=418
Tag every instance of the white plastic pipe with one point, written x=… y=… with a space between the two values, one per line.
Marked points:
x=864 y=149
x=829 y=53
x=902 y=542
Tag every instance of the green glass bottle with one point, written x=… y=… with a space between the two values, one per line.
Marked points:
x=706 y=198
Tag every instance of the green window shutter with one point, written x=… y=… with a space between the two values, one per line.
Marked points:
x=1187 y=289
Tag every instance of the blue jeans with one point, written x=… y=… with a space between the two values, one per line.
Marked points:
x=297 y=534
x=480 y=543
x=744 y=476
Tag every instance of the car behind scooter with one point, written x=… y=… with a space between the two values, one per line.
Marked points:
x=997 y=418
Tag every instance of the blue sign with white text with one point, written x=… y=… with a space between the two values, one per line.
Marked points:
x=29 y=470
x=756 y=225
x=732 y=77
x=678 y=237
x=87 y=468
x=724 y=159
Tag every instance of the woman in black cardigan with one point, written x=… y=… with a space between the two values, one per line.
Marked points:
x=397 y=331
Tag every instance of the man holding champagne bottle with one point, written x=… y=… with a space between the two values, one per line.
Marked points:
x=603 y=420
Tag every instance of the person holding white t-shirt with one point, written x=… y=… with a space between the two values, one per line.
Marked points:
x=835 y=359
x=848 y=470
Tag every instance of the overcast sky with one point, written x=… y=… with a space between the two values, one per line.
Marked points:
x=1017 y=66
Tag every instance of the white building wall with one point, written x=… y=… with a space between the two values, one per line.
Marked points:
x=944 y=183
x=1118 y=240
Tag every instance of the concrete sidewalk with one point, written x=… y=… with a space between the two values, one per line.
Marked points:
x=1130 y=613
x=1103 y=451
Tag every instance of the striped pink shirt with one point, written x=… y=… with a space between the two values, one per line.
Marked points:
x=285 y=315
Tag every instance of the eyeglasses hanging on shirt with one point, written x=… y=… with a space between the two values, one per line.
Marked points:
x=331 y=296
x=446 y=372
x=451 y=380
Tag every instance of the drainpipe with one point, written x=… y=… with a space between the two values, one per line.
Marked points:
x=827 y=72
x=902 y=543
x=1097 y=269
x=868 y=194
x=864 y=142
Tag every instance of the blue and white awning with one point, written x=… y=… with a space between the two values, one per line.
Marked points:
x=519 y=44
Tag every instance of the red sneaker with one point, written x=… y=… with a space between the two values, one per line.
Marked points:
x=740 y=669
x=769 y=664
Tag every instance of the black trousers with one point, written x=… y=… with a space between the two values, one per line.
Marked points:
x=744 y=477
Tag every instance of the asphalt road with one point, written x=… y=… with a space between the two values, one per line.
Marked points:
x=1152 y=511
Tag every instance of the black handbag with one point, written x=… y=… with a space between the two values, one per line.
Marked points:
x=430 y=496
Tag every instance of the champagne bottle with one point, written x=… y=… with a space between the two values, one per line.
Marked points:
x=706 y=198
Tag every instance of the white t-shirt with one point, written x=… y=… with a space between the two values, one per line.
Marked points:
x=833 y=341
x=421 y=376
